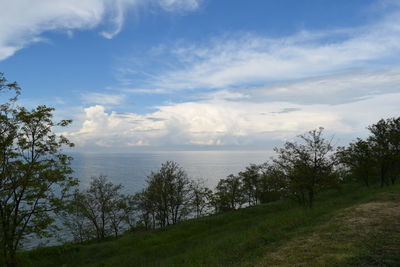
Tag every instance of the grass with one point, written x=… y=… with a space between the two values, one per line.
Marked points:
x=381 y=245
x=349 y=228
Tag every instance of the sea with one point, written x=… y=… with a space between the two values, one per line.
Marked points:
x=132 y=169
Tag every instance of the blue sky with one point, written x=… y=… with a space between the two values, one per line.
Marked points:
x=204 y=74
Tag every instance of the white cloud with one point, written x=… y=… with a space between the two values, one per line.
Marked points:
x=23 y=21
x=173 y=5
x=243 y=59
x=103 y=99
x=115 y=129
x=330 y=89
x=221 y=122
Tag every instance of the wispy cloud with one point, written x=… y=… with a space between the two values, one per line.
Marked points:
x=252 y=59
x=344 y=87
x=103 y=99
x=180 y=5
x=23 y=21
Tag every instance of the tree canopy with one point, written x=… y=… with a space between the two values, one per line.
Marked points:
x=35 y=174
x=307 y=166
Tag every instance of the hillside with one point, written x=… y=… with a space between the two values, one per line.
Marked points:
x=356 y=226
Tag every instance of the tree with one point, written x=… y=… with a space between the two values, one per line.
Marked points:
x=273 y=183
x=201 y=197
x=120 y=214
x=103 y=205
x=75 y=221
x=34 y=173
x=385 y=143
x=130 y=211
x=251 y=180
x=359 y=159
x=229 y=194
x=146 y=209
x=99 y=211
x=307 y=166
x=167 y=195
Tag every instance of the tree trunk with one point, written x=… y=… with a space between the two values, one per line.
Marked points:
x=366 y=179
x=11 y=259
x=116 y=231
x=310 y=198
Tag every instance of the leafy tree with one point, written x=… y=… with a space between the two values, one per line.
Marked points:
x=385 y=143
x=143 y=204
x=130 y=211
x=34 y=174
x=201 y=198
x=251 y=180
x=7 y=87
x=359 y=159
x=75 y=221
x=120 y=214
x=307 y=166
x=168 y=194
x=103 y=205
x=273 y=183
x=229 y=194
x=99 y=211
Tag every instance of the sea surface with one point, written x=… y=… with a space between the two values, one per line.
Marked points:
x=132 y=169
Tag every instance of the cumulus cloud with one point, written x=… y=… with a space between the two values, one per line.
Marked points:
x=117 y=130
x=23 y=21
x=223 y=122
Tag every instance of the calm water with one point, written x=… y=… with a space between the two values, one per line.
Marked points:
x=131 y=169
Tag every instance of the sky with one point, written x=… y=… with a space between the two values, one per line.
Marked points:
x=137 y=75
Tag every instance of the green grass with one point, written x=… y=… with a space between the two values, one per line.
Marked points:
x=280 y=233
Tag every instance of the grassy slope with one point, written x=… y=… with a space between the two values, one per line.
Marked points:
x=338 y=231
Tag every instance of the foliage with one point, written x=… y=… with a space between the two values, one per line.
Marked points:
x=201 y=198
x=308 y=166
x=359 y=159
x=35 y=175
x=251 y=181
x=229 y=194
x=98 y=211
x=385 y=143
x=273 y=183
x=146 y=209
x=75 y=222
x=376 y=157
x=167 y=198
